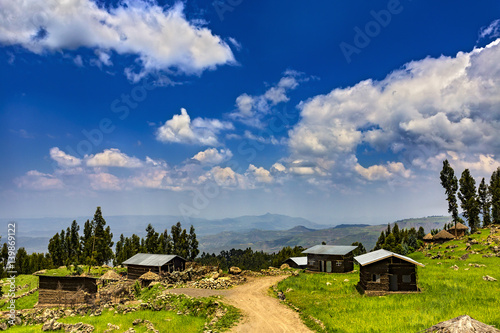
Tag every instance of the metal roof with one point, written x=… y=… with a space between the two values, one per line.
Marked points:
x=301 y=261
x=339 y=250
x=146 y=259
x=371 y=257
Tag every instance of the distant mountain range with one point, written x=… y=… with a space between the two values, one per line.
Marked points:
x=269 y=232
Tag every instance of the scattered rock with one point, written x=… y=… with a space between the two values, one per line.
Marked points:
x=455 y=267
x=137 y=322
x=328 y=283
x=235 y=270
x=346 y=280
x=488 y=278
x=464 y=257
x=3 y=327
x=285 y=266
x=281 y=296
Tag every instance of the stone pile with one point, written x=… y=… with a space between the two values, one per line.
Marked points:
x=53 y=325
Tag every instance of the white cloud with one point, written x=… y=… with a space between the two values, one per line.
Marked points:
x=213 y=156
x=429 y=107
x=64 y=159
x=36 y=180
x=383 y=172
x=113 y=158
x=491 y=31
x=479 y=164
x=200 y=131
x=104 y=181
x=251 y=109
x=162 y=39
x=260 y=174
x=225 y=177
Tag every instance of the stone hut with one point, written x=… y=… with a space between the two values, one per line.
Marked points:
x=459 y=230
x=157 y=263
x=66 y=290
x=330 y=258
x=384 y=271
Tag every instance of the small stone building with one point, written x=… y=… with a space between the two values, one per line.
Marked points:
x=459 y=230
x=442 y=237
x=157 y=263
x=66 y=290
x=330 y=258
x=296 y=262
x=384 y=271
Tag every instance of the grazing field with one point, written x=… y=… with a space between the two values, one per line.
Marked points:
x=446 y=293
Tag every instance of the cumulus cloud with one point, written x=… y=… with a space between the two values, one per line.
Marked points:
x=113 y=158
x=104 y=181
x=35 y=180
x=213 y=156
x=63 y=159
x=260 y=174
x=479 y=164
x=161 y=39
x=200 y=131
x=428 y=107
x=383 y=172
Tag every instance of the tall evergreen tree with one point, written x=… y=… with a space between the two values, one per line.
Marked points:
x=450 y=184
x=421 y=233
x=184 y=245
x=151 y=239
x=175 y=233
x=55 y=250
x=484 y=202
x=102 y=239
x=495 y=196
x=5 y=254
x=193 y=244
x=87 y=242
x=468 y=199
x=359 y=250
x=74 y=243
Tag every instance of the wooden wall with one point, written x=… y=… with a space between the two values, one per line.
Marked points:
x=386 y=268
x=313 y=262
x=135 y=271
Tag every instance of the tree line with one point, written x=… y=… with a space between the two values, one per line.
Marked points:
x=485 y=200
x=403 y=241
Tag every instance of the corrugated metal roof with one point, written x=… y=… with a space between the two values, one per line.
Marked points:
x=378 y=255
x=338 y=250
x=301 y=261
x=146 y=259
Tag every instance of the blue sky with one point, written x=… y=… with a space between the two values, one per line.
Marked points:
x=339 y=112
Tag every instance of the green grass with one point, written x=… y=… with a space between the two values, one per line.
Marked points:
x=24 y=302
x=446 y=294
x=164 y=321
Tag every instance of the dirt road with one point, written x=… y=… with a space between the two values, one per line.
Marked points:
x=262 y=313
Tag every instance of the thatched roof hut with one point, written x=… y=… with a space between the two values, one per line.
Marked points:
x=462 y=324
x=428 y=237
x=110 y=275
x=442 y=236
x=458 y=230
x=147 y=278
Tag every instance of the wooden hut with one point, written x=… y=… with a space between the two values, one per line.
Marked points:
x=157 y=263
x=296 y=262
x=459 y=230
x=428 y=238
x=330 y=258
x=66 y=290
x=383 y=271
x=462 y=324
x=442 y=237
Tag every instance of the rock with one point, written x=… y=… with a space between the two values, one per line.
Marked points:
x=455 y=267
x=328 y=283
x=281 y=296
x=346 y=280
x=488 y=278
x=3 y=327
x=51 y=325
x=235 y=270
x=137 y=322
x=464 y=257
x=473 y=242
x=130 y=330
x=285 y=266
x=496 y=249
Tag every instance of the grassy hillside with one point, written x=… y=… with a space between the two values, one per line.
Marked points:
x=446 y=293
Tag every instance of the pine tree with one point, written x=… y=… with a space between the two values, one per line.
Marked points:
x=495 y=196
x=151 y=239
x=74 y=243
x=5 y=254
x=450 y=184
x=396 y=233
x=484 y=202
x=380 y=241
x=87 y=242
x=360 y=249
x=193 y=244
x=421 y=233
x=55 y=250
x=120 y=251
x=184 y=244
x=468 y=199
x=175 y=232
x=102 y=239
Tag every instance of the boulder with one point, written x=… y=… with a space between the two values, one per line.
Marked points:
x=488 y=278
x=285 y=266
x=235 y=270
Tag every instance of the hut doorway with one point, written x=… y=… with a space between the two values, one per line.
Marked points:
x=328 y=266
x=393 y=282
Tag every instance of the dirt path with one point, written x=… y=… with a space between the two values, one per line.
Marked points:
x=262 y=313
